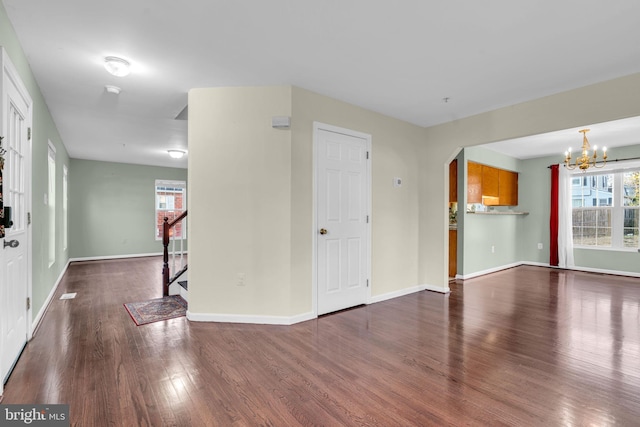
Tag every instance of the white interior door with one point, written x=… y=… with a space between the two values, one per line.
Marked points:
x=342 y=205
x=14 y=278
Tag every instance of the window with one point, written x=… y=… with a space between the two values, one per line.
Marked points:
x=65 y=207
x=606 y=212
x=51 y=202
x=171 y=201
x=631 y=183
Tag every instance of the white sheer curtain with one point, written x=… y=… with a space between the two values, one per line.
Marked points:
x=565 y=224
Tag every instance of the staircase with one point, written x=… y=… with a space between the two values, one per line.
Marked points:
x=174 y=257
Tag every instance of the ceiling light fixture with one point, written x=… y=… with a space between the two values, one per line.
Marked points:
x=585 y=160
x=117 y=66
x=176 y=154
x=112 y=89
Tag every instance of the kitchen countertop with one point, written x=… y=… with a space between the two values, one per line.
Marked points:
x=498 y=213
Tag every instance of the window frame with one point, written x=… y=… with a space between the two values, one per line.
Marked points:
x=51 y=201
x=65 y=207
x=172 y=185
x=617 y=206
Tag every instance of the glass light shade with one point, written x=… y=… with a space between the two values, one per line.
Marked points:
x=117 y=66
x=112 y=89
x=176 y=154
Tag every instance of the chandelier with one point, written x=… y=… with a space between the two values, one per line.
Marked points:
x=585 y=160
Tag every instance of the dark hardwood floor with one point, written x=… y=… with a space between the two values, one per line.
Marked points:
x=526 y=346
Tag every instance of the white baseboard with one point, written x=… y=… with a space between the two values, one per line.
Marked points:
x=542 y=264
x=36 y=321
x=106 y=257
x=603 y=271
x=259 y=320
x=394 y=294
x=439 y=289
x=407 y=291
x=537 y=264
x=284 y=320
x=490 y=270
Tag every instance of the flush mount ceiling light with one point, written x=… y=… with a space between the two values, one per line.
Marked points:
x=176 y=154
x=117 y=66
x=585 y=160
x=112 y=89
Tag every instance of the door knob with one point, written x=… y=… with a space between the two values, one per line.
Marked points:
x=323 y=231
x=11 y=243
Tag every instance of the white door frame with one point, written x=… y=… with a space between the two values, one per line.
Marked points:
x=10 y=72
x=318 y=126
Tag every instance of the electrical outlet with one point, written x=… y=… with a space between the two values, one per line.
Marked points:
x=493 y=249
x=539 y=245
x=240 y=281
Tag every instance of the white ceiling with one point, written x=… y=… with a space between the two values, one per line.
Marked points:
x=612 y=134
x=398 y=58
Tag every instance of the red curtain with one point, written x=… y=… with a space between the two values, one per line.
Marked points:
x=553 y=221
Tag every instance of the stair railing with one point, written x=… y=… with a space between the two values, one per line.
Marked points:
x=178 y=259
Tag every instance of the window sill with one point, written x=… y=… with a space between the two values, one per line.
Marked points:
x=608 y=249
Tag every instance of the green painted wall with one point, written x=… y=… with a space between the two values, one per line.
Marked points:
x=534 y=184
x=112 y=208
x=44 y=129
x=478 y=233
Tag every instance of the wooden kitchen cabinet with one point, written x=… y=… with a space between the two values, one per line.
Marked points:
x=453 y=253
x=453 y=181
x=491 y=186
x=508 y=194
x=474 y=182
x=490 y=181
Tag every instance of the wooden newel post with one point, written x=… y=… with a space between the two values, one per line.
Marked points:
x=165 y=257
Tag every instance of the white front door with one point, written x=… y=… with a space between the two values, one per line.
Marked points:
x=14 y=278
x=342 y=206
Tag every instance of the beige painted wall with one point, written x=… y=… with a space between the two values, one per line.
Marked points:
x=250 y=199
x=394 y=216
x=239 y=201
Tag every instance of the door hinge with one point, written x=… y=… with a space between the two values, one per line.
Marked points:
x=29 y=134
x=28 y=218
x=367 y=219
x=367 y=154
x=367 y=283
x=28 y=303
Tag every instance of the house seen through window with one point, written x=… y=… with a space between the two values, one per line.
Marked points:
x=606 y=212
x=171 y=202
